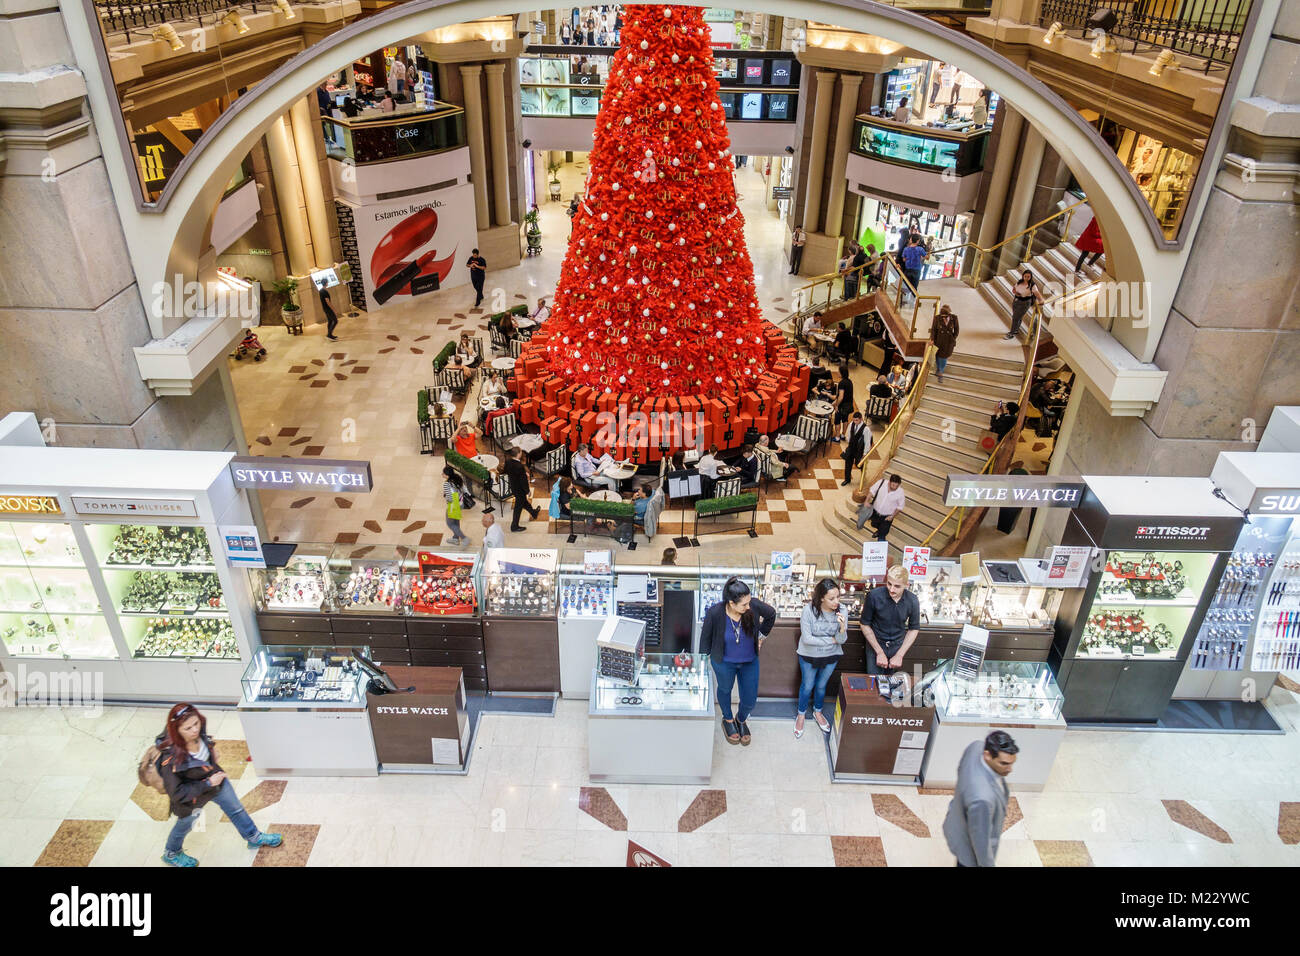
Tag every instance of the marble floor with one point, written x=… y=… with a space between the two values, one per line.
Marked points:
x=355 y=398
x=69 y=797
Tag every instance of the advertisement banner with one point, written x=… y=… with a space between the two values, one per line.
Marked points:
x=243 y=546
x=415 y=244
x=917 y=561
x=1068 y=566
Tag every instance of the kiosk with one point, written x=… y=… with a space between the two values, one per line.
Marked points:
x=875 y=739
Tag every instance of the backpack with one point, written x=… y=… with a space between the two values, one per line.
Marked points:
x=148 y=773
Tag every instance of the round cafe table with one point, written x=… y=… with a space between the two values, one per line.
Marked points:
x=525 y=323
x=819 y=409
x=447 y=408
x=503 y=364
x=489 y=462
x=605 y=495
x=791 y=443
x=528 y=443
x=487 y=402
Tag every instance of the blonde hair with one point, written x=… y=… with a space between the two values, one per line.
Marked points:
x=897 y=574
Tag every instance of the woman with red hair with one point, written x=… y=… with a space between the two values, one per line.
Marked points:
x=193 y=778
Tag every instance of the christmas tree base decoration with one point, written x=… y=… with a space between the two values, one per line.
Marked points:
x=656 y=341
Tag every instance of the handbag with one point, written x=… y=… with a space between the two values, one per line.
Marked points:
x=468 y=501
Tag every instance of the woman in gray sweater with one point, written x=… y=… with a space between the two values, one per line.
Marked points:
x=823 y=628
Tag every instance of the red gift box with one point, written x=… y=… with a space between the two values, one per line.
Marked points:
x=548 y=410
x=585 y=397
x=528 y=409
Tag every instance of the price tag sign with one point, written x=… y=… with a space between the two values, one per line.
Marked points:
x=597 y=562
x=875 y=559
x=779 y=567
x=917 y=561
x=1067 y=567
x=242 y=546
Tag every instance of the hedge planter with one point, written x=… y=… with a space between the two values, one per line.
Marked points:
x=469 y=468
x=732 y=504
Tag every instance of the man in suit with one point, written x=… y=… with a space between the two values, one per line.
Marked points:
x=748 y=467
x=855 y=445
x=973 y=825
x=519 y=487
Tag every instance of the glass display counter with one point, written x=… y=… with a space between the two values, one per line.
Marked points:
x=943 y=598
x=665 y=682
x=367 y=579
x=517 y=582
x=520 y=627
x=1001 y=601
x=302 y=584
x=442 y=583
x=586 y=584
x=790 y=588
x=716 y=570
x=295 y=674
x=1144 y=604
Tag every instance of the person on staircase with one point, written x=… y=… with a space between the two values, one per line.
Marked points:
x=1089 y=245
x=856 y=444
x=1023 y=294
x=943 y=333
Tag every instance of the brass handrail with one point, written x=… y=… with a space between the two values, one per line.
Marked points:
x=891 y=265
x=889 y=439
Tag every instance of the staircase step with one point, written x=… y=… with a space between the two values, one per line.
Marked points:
x=975 y=398
x=967 y=431
x=945 y=457
x=1011 y=366
x=959 y=413
x=919 y=470
x=970 y=369
x=958 y=377
x=935 y=434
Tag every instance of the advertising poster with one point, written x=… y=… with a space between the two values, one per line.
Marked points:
x=917 y=561
x=242 y=545
x=421 y=241
x=875 y=559
x=1068 y=566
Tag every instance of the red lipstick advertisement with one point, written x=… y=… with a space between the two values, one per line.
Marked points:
x=413 y=245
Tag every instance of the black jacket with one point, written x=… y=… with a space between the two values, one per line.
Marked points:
x=186 y=778
x=748 y=469
x=518 y=476
x=1001 y=424
x=855 y=447
x=713 y=632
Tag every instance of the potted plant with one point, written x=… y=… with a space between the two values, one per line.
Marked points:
x=533 y=231
x=290 y=310
x=553 y=170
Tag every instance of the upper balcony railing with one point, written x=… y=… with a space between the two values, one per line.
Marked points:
x=1206 y=29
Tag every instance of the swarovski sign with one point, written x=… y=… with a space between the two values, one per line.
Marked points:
x=299 y=474
x=1273 y=501
x=1001 y=491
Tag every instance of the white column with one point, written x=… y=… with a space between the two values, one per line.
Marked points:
x=305 y=131
x=287 y=190
x=474 y=133
x=812 y=203
x=849 y=83
x=500 y=155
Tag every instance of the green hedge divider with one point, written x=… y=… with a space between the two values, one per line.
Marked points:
x=602 y=509
x=709 y=506
x=422 y=406
x=441 y=358
x=467 y=466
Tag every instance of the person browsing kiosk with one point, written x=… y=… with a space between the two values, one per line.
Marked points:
x=891 y=620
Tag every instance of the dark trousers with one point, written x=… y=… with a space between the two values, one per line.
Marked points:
x=914 y=277
x=1019 y=306
x=728 y=674
x=521 y=505
x=1084 y=254
x=851 y=285
x=882 y=526
x=890 y=648
x=478 y=291
x=796 y=257
x=848 y=467
x=331 y=320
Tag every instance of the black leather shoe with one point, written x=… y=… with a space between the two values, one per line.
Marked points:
x=513 y=528
x=744 y=733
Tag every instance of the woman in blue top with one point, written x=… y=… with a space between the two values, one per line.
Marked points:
x=823 y=629
x=732 y=633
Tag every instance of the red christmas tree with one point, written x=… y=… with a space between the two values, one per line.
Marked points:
x=656 y=295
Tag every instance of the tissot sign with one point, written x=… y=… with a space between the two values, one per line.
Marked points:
x=300 y=474
x=1000 y=491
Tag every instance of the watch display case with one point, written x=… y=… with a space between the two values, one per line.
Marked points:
x=1002 y=690
x=714 y=575
x=588 y=592
x=289 y=675
x=518 y=582
x=1144 y=604
x=666 y=682
x=790 y=589
x=367 y=579
x=302 y=584
x=443 y=584
x=1277 y=636
x=48 y=604
x=854 y=585
x=1016 y=604
x=943 y=598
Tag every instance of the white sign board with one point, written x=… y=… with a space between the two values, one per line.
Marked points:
x=1067 y=567
x=917 y=561
x=135 y=507
x=875 y=559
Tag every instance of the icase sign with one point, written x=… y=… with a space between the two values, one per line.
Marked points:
x=1004 y=491
x=300 y=474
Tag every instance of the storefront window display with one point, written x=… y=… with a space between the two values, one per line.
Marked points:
x=1163 y=173
x=879 y=224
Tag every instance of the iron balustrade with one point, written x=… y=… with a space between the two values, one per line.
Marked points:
x=1206 y=29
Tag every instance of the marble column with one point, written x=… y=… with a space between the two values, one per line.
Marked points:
x=284 y=169
x=849 y=83
x=1060 y=452
x=500 y=155
x=474 y=133
x=1022 y=196
x=305 y=131
x=812 y=204
x=999 y=173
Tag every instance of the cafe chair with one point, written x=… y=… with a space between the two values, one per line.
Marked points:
x=815 y=431
x=725 y=487
x=514 y=347
x=504 y=427
x=454 y=379
x=878 y=408
x=499 y=341
x=443 y=428
x=555 y=462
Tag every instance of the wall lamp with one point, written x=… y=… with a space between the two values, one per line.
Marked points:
x=1054 y=31
x=283 y=7
x=232 y=18
x=1164 y=61
x=1101 y=43
x=167 y=33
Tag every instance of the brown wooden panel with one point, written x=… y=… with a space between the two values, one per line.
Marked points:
x=363 y=624
x=274 y=621
x=522 y=655
x=405 y=724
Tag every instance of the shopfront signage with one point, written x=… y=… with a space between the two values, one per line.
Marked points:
x=135 y=507
x=782 y=192
x=299 y=474
x=1275 y=501
x=1172 y=533
x=997 y=491
x=30 y=505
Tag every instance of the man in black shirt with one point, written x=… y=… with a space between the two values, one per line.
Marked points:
x=880 y=388
x=748 y=467
x=477 y=273
x=891 y=620
x=518 y=475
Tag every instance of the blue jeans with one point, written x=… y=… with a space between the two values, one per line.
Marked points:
x=815 y=679
x=456 y=533
x=728 y=673
x=228 y=801
x=940 y=364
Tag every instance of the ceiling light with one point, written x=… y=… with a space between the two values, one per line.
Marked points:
x=232 y=18
x=167 y=33
x=284 y=8
x=1164 y=61
x=1054 y=31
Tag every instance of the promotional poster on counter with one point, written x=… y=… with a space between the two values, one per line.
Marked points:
x=415 y=244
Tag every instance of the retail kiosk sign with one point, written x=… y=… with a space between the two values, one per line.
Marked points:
x=243 y=546
x=917 y=561
x=1068 y=566
x=30 y=505
x=1003 y=491
x=135 y=507
x=1167 y=533
x=1275 y=501
x=301 y=474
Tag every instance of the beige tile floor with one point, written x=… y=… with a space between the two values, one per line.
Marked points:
x=68 y=794
x=355 y=398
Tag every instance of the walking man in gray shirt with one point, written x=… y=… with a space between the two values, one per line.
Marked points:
x=973 y=826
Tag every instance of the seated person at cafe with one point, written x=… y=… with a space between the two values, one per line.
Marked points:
x=584 y=469
x=748 y=467
x=640 y=499
x=494 y=385
x=503 y=408
x=811 y=323
x=1003 y=418
x=846 y=343
x=779 y=464
x=891 y=621
x=464 y=442
x=563 y=492
x=819 y=377
x=506 y=326
x=880 y=388
x=711 y=467
x=466 y=353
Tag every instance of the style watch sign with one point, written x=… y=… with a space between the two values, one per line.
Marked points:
x=299 y=474
x=1001 y=491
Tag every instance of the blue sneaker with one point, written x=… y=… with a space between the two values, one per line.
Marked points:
x=265 y=839
x=179 y=858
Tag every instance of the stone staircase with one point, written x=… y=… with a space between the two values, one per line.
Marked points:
x=1054 y=270
x=943 y=438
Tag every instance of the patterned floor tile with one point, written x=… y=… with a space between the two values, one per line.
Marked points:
x=432 y=539
x=75 y=843
x=233 y=755
x=398 y=514
x=347 y=537
x=1288 y=823
x=1014 y=814
x=312 y=450
x=156 y=804
x=1186 y=815
x=286 y=432
x=858 y=851
x=1063 y=852
x=892 y=809
x=597 y=803
x=344 y=503
x=300 y=441
x=373 y=526
x=414 y=526
x=319 y=384
x=637 y=855
x=266 y=793
x=299 y=839
x=302 y=502
x=707 y=805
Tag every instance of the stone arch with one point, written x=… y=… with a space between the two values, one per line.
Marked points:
x=165 y=239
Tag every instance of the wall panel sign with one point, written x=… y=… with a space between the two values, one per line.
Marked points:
x=30 y=505
x=299 y=474
x=1275 y=501
x=135 y=507
x=996 y=491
